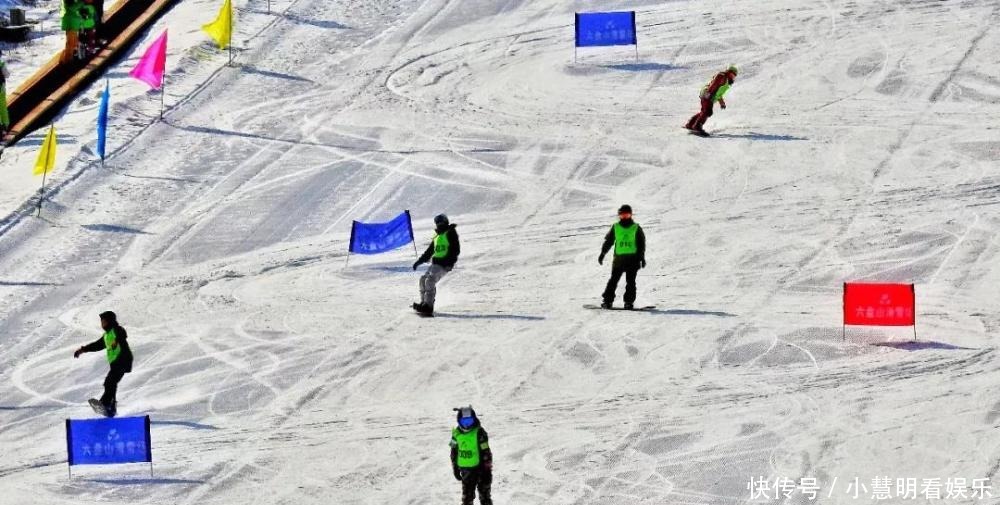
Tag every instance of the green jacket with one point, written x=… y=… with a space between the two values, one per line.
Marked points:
x=72 y=20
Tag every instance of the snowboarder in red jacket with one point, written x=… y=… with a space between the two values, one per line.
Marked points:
x=710 y=94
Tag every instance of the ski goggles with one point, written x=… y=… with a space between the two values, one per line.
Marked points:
x=466 y=422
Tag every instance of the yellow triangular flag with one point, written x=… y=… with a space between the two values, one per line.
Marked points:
x=221 y=30
x=47 y=156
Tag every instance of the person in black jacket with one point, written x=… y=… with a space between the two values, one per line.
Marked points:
x=629 y=241
x=442 y=252
x=115 y=342
x=471 y=457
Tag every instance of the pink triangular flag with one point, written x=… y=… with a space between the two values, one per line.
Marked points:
x=152 y=65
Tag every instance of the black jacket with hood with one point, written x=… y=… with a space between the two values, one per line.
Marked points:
x=454 y=249
x=124 y=360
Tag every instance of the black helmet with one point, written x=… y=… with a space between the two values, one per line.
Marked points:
x=466 y=417
x=441 y=220
x=625 y=208
x=109 y=316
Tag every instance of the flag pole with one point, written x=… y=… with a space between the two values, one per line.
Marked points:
x=163 y=90
x=45 y=169
x=413 y=239
x=41 y=195
x=231 y=32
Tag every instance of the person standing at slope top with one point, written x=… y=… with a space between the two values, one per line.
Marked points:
x=115 y=342
x=471 y=458
x=629 y=241
x=713 y=92
x=443 y=253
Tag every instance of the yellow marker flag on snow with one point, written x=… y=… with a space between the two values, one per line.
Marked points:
x=47 y=156
x=221 y=30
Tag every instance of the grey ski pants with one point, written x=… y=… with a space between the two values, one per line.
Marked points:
x=428 y=284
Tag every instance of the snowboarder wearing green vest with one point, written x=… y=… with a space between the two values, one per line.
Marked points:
x=713 y=92
x=629 y=242
x=442 y=252
x=115 y=342
x=471 y=458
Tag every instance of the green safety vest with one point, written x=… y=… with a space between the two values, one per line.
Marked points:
x=719 y=93
x=468 y=447
x=111 y=344
x=441 y=245
x=625 y=239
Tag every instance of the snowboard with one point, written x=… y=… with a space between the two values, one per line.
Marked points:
x=98 y=407
x=698 y=133
x=598 y=307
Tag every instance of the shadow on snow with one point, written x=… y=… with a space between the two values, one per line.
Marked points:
x=644 y=67
x=757 y=136
x=186 y=424
x=920 y=345
x=487 y=316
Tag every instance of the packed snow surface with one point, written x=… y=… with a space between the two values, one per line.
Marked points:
x=860 y=143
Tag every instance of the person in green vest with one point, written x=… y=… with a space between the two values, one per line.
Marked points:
x=88 y=24
x=71 y=24
x=711 y=93
x=629 y=243
x=471 y=458
x=115 y=343
x=443 y=253
x=4 y=114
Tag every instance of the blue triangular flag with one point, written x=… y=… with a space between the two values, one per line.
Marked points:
x=102 y=121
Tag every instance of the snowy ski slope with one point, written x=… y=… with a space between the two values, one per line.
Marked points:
x=860 y=143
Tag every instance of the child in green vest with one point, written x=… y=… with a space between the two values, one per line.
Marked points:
x=71 y=24
x=471 y=458
x=88 y=24
x=713 y=92
x=629 y=241
x=115 y=342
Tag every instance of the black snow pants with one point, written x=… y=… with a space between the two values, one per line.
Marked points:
x=477 y=479
x=111 y=381
x=628 y=265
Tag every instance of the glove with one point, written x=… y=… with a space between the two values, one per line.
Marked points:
x=416 y=264
x=600 y=260
x=78 y=352
x=458 y=474
x=463 y=474
x=488 y=466
x=642 y=263
x=722 y=104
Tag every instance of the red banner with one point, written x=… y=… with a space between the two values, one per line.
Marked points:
x=879 y=304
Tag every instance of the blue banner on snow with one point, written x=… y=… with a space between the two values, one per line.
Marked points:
x=605 y=29
x=375 y=238
x=109 y=441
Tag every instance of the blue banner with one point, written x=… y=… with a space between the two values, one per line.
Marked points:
x=102 y=121
x=605 y=29
x=108 y=441
x=375 y=238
